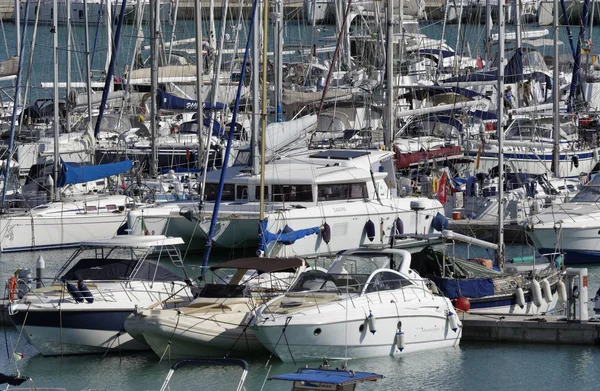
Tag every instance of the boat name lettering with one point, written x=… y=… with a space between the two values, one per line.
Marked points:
x=339 y=209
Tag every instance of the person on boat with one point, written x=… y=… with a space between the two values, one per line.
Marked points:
x=508 y=98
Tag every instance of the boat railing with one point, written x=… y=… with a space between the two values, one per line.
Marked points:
x=111 y=291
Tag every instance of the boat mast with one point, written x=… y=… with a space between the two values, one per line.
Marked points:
x=263 y=135
x=88 y=67
x=13 y=120
x=68 y=81
x=154 y=53
x=199 y=88
x=556 y=97
x=389 y=68
x=500 y=130
x=254 y=138
x=54 y=30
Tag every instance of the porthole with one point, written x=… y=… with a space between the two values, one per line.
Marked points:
x=399 y=326
x=317 y=332
x=361 y=328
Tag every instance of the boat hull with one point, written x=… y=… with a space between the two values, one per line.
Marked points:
x=76 y=332
x=340 y=339
x=25 y=233
x=177 y=335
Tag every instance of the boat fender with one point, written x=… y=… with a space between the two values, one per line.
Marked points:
x=546 y=290
x=326 y=233
x=575 y=160
x=12 y=288
x=400 y=340
x=520 y=296
x=372 y=321
x=453 y=321
x=562 y=292
x=463 y=304
x=370 y=230
x=536 y=293
x=440 y=222
x=85 y=292
x=399 y=226
x=74 y=292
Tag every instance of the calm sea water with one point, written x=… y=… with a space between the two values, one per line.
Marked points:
x=471 y=366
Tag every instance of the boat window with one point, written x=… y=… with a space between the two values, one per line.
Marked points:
x=385 y=281
x=287 y=193
x=212 y=189
x=257 y=192
x=111 y=207
x=241 y=193
x=590 y=193
x=314 y=280
x=90 y=208
x=342 y=191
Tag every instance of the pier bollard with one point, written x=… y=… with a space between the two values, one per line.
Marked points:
x=40 y=265
x=577 y=294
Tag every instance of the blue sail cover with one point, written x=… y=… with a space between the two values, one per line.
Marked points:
x=285 y=236
x=168 y=101
x=513 y=72
x=471 y=287
x=73 y=173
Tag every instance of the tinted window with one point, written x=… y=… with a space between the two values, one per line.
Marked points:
x=342 y=191
x=212 y=188
x=286 y=193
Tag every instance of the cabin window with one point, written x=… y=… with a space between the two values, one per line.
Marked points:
x=386 y=281
x=212 y=188
x=111 y=207
x=241 y=193
x=80 y=14
x=342 y=191
x=257 y=192
x=287 y=193
x=90 y=208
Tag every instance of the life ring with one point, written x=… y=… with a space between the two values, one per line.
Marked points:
x=12 y=288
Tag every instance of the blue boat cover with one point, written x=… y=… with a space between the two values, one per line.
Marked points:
x=72 y=173
x=328 y=376
x=285 y=236
x=513 y=72
x=217 y=129
x=472 y=287
x=167 y=101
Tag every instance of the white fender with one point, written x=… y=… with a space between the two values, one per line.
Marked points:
x=372 y=323
x=520 y=296
x=562 y=292
x=453 y=320
x=400 y=340
x=536 y=293
x=546 y=290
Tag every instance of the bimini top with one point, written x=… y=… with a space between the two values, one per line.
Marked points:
x=262 y=265
x=328 y=376
x=101 y=269
x=134 y=241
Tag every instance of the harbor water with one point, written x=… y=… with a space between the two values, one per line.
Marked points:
x=471 y=366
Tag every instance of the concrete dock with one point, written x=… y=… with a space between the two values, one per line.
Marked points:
x=528 y=328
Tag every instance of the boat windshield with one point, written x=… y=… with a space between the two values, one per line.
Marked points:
x=319 y=281
x=590 y=193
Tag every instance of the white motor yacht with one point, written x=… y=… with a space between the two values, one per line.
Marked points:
x=103 y=282
x=368 y=304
